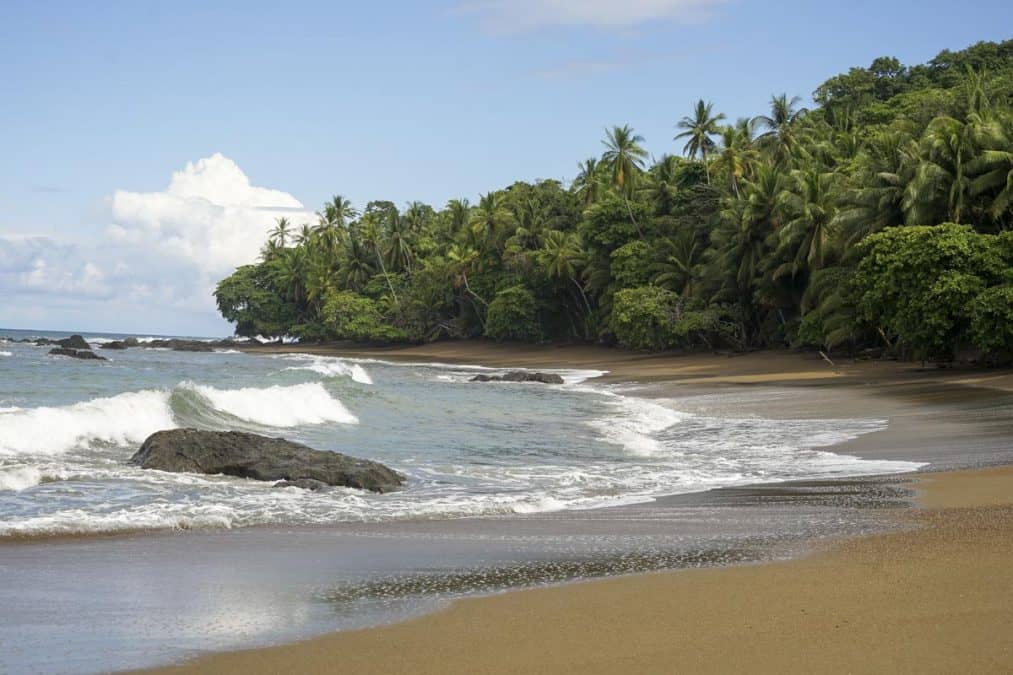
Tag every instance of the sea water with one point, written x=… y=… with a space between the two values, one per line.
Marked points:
x=69 y=427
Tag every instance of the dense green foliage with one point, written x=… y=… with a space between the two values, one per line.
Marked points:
x=827 y=227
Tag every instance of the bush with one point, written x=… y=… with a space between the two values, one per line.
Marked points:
x=350 y=316
x=513 y=315
x=643 y=318
x=917 y=283
x=631 y=265
x=992 y=320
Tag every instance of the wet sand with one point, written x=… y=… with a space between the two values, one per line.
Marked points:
x=937 y=597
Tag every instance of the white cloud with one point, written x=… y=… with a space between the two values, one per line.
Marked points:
x=519 y=15
x=209 y=217
x=43 y=265
x=155 y=265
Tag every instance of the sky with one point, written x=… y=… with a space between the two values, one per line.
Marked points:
x=146 y=148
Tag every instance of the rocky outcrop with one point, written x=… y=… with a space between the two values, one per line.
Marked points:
x=115 y=344
x=74 y=342
x=520 y=376
x=236 y=453
x=86 y=354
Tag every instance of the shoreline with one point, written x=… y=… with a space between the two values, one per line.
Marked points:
x=936 y=596
x=954 y=505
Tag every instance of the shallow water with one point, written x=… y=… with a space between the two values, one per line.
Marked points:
x=67 y=429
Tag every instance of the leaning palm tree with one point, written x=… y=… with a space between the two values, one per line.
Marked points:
x=698 y=131
x=624 y=158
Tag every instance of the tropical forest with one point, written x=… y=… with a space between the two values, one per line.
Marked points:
x=878 y=220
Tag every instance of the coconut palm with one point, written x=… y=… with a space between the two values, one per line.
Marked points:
x=698 y=131
x=280 y=233
x=624 y=157
x=676 y=261
x=809 y=202
x=736 y=155
x=587 y=184
x=490 y=222
x=778 y=129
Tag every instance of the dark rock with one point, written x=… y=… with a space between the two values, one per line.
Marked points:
x=304 y=483
x=43 y=342
x=131 y=342
x=520 y=376
x=74 y=342
x=86 y=354
x=115 y=344
x=182 y=345
x=236 y=453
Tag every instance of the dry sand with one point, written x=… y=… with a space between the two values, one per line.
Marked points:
x=935 y=597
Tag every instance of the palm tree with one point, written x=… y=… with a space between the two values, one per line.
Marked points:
x=737 y=154
x=663 y=183
x=370 y=231
x=356 y=266
x=624 y=158
x=462 y=259
x=305 y=235
x=338 y=212
x=279 y=234
x=808 y=201
x=400 y=253
x=778 y=132
x=676 y=260
x=698 y=130
x=563 y=257
x=490 y=221
x=587 y=184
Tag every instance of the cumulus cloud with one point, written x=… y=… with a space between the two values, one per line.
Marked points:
x=519 y=15
x=210 y=217
x=159 y=255
x=45 y=265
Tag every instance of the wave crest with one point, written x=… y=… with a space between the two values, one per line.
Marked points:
x=276 y=406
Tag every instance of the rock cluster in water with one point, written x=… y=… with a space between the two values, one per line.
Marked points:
x=520 y=376
x=245 y=455
x=76 y=347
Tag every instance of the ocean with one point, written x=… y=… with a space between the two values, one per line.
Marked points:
x=69 y=427
x=109 y=566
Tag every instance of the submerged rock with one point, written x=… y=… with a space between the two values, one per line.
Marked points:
x=86 y=354
x=236 y=453
x=520 y=376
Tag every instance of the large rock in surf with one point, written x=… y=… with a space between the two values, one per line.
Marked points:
x=236 y=453
x=74 y=342
x=86 y=354
x=520 y=376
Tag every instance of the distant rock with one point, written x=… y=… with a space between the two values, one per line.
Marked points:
x=245 y=455
x=520 y=376
x=85 y=354
x=131 y=342
x=178 y=345
x=74 y=342
x=115 y=344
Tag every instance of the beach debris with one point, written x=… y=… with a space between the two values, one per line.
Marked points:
x=520 y=376
x=246 y=455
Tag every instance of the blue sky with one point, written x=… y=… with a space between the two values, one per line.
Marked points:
x=103 y=103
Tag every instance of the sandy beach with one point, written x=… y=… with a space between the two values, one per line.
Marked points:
x=934 y=596
x=937 y=597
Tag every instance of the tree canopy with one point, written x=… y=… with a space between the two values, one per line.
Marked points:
x=880 y=217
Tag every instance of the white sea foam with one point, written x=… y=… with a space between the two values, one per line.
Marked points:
x=277 y=406
x=6 y=353
x=123 y=419
x=19 y=478
x=635 y=424
x=332 y=367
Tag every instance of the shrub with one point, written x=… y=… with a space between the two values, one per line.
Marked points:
x=350 y=316
x=513 y=315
